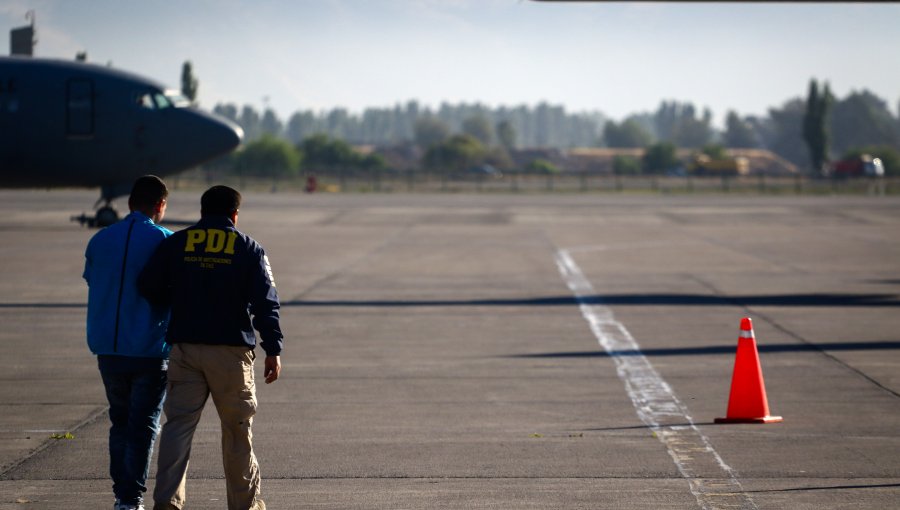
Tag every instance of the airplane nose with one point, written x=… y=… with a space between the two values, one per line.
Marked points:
x=176 y=139
x=223 y=136
x=209 y=136
x=239 y=133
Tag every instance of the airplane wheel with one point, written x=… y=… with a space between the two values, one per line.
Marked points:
x=106 y=216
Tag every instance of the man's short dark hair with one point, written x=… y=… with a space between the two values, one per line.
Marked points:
x=147 y=191
x=220 y=201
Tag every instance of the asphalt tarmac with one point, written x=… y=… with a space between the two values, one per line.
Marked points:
x=499 y=351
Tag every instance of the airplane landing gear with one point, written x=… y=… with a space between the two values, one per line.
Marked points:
x=104 y=217
x=107 y=214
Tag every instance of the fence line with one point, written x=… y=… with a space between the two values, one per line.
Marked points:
x=423 y=182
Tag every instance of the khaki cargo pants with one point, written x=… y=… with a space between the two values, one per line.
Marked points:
x=195 y=372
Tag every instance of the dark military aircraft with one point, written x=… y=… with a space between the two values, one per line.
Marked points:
x=73 y=124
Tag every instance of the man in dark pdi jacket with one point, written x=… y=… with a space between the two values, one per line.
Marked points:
x=219 y=284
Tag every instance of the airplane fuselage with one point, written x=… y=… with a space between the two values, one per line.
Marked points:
x=81 y=125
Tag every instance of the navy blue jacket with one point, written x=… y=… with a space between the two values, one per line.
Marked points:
x=215 y=278
x=119 y=321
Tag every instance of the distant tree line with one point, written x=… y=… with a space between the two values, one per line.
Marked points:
x=544 y=125
x=450 y=139
x=277 y=158
x=807 y=133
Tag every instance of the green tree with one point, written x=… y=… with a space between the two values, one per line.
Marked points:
x=714 y=151
x=659 y=157
x=268 y=157
x=429 y=131
x=455 y=154
x=227 y=110
x=628 y=134
x=270 y=124
x=738 y=132
x=499 y=157
x=372 y=162
x=506 y=134
x=863 y=118
x=782 y=132
x=815 y=125
x=666 y=120
x=678 y=123
x=693 y=131
x=249 y=120
x=626 y=165
x=479 y=127
x=339 y=123
x=322 y=153
x=189 y=83
x=541 y=166
x=302 y=125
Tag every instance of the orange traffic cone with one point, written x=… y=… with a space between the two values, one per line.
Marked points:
x=747 y=402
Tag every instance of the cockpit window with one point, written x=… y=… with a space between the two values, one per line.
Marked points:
x=176 y=99
x=144 y=101
x=161 y=101
x=154 y=100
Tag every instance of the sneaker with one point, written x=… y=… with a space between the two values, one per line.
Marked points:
x=124 y=506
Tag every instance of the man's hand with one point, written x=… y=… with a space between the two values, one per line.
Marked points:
x=273 y=368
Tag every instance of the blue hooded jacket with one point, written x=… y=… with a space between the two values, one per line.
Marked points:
x=119 y=321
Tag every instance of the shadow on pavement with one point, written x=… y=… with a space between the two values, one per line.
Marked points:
x=837 y=300
x=720 y=349
x=636 y=427
x=842 y=300
x=832 y=487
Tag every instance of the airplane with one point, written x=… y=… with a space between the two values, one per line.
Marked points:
x=75 y=124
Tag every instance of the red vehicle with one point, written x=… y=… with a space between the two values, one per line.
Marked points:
x=859 y=166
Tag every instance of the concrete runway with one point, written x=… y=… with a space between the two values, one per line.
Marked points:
x=504 y=352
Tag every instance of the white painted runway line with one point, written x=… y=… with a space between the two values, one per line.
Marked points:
x=711 y=480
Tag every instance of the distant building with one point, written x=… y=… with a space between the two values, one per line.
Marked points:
x=22 y=41
x=600 y=159
x=403 y=156
x=592 y=160
x=524 y=157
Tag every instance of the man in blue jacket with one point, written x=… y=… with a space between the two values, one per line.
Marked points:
x=127 y=334
x=215 y=278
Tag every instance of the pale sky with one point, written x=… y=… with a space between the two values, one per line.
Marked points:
x=617 y=58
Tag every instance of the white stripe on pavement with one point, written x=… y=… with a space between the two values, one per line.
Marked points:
x=711 y=480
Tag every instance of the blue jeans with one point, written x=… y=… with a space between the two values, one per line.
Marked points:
x=135 y=388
